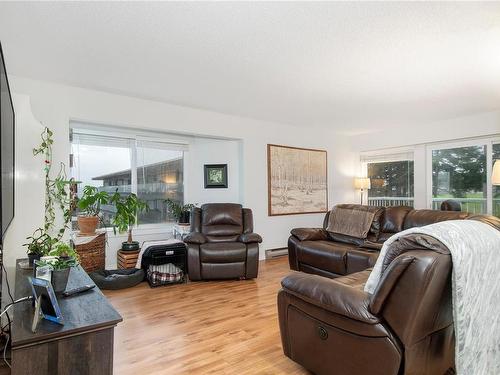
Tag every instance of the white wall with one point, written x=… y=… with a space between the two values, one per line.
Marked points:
x=29 y=196
x=482 y=124
x=416 y=138
x=55 y=105
x=213 y=151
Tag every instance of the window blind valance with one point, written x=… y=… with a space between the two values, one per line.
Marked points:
x=89 y=139
x=385 y=157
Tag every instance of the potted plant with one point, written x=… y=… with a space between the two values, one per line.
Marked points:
x=179 y=211
x=58 y=203
x=61 y=258
x=40 y=244
x=90 y=208
x=127 y=209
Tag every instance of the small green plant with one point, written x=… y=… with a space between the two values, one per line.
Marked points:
x=64 y=250
x=61 y=257
x=91 y=201
x=40 y=243
x=177 y=209
x=127 y=209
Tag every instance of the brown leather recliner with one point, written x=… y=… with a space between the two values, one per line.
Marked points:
x=222 y=244
x=332 y=326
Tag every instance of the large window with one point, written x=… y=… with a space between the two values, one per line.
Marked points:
x=462 y=172
x=152 y=170
x=391 y=178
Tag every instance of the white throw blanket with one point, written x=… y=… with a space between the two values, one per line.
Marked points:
x=475 y=253
x=147 y=244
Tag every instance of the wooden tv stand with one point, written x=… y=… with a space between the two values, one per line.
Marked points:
x=83 y=345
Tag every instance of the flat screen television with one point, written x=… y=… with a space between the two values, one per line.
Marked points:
x=7 y=149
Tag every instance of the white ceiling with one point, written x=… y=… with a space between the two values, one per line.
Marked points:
x=348 y=66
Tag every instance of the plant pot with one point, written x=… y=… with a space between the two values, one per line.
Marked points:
x=60 y=279
x=32 y=258
x=184 y=219
x=130 y=246
x=87 y=225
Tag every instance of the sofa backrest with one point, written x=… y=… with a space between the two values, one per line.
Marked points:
x=394 y=219
x=414 y=295
x=419 y=218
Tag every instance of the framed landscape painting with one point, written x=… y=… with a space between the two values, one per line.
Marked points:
x=297 y=180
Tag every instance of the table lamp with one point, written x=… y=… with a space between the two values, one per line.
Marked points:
x=362 y=183
x=495 y=176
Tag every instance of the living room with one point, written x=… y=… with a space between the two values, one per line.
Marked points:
x=296 y=110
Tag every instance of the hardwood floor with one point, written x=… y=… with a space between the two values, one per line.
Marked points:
x=216 y=327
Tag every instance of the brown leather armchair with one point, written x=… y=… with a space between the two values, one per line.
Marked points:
x=222 y=244
x=332 y=326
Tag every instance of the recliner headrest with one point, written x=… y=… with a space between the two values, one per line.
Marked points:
x=222 y=214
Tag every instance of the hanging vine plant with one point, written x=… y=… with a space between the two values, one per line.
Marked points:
x=58 y=196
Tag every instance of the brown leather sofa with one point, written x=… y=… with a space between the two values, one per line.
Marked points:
x=314 y=250
x=332 y=326
x=222 y=244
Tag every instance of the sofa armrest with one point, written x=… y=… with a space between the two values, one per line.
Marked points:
x=195 y=238
x=330 y=295
x=309 y=234
x=250 y=238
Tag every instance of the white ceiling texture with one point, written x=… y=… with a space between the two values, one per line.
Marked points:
x=348 y=66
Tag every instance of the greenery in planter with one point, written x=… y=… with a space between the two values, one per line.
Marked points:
x=61 y=257
x=58 y=199
x=65 y=256
x=127 y=209
x=91 y=201
x=57 y=195
x=40 y=243
x=178 y=209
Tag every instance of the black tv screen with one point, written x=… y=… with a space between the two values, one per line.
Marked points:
x=7 y=150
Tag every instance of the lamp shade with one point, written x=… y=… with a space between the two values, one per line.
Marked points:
x=495 y=176
x=362 y=183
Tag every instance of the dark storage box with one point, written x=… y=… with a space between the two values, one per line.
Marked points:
x=165 y=264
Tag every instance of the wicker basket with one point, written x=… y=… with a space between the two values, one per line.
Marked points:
x=93 y=253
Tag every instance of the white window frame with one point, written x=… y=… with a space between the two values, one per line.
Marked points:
x=183 y=142
x=484 y=141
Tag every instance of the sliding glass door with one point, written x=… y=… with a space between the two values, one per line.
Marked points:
x=462 y=172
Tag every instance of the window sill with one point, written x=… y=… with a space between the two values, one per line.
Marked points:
x=146 y=229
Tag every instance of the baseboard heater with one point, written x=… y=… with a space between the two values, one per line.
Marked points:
x=275 y=253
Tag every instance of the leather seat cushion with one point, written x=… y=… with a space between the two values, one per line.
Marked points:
x=326 y=255
x=223 y=252
x=355 y=280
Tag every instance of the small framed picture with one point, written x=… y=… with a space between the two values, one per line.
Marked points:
x=215 y=176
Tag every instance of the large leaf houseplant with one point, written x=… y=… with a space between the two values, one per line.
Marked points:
x=127 y=209
x=90 y=208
